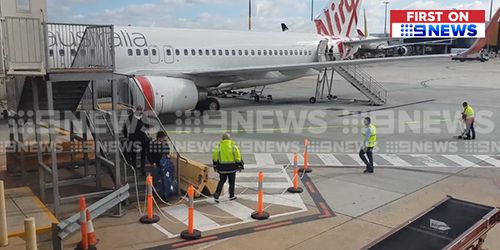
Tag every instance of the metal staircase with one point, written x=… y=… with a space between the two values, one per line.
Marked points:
x=364 y=83
x=67 y=96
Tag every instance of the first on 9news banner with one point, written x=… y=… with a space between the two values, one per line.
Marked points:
x=438 y=24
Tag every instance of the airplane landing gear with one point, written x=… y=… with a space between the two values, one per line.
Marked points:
x=210 y=104
x=258 y=94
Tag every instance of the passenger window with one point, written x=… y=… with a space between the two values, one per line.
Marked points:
x=246 y=52
x=177 y=52
x=153 y=52
x=300 y=52
x=270 y=52
x=240 y=52
x=259 y=52
x=227 y=52
x=73 y=52
x=61 y=52
x=275 y=52
x=310 y=52
x=296 y=52
x=291 y=52
x=200 y=52
x=265 y=52
x=214 y=52
x=137 y=52
x=281 y=52
x=193 y=52
x=51 y=52
x=233 y=52
x=220 y=52
x=169 y=52
x=286 y=52
x=207 y=52
x=186 y=52
x=146 y=52
x=253 y=52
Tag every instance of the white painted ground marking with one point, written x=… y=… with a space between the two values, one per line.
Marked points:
x=428 y=161
x=163 y=230
x=235 y=209
x=489 y=159
x=202 y=222
x=395 y=160
x=329 y=160
x=264 y=160
x=459 y=160
x=358 y=160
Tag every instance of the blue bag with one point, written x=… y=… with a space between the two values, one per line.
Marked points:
x=165 y=183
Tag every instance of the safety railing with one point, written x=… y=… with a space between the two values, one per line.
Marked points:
x=134 y=97
x=367 y=80
x=79 y=46
x=22 y=44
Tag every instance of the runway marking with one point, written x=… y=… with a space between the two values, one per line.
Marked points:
x=163 y=230
x=461 y=161
x=329 y=160
x=395 y=160
x=489 y=159
x=202 y=222
x=428 y=161
x=235 y=209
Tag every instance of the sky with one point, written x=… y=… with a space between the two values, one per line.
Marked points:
x=230 y=14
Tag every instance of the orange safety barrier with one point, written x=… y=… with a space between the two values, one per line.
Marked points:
x=191 y=233
x=295 y=189
x=306 y=168
x=295 y=159
x=260 y=214
x=149 y=218
x=92 y=240
x=84 y=243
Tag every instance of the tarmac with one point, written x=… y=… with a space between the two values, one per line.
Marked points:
x=418 y=162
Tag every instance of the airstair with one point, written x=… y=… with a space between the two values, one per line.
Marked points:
x=354 y=74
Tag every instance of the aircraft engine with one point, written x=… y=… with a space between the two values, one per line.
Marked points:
x=168 y=95
x=402 y=51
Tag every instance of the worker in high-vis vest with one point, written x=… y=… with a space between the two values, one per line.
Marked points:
x=227 y=161
x=369 y=133
x=468 y=116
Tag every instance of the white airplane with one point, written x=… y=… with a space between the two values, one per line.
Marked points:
x=175 y=68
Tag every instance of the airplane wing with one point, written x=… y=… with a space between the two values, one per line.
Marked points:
x=316 y=65
x=435 y=42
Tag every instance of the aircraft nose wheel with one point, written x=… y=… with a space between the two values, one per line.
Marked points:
x=312 y=100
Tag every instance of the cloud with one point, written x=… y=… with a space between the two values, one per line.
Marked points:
x=229 y=14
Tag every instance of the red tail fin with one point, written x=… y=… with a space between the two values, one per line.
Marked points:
x=491 y=31
x=339 y=18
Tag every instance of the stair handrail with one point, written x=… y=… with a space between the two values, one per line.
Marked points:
x=367 y=80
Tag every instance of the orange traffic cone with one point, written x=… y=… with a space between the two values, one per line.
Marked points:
x=91 y=233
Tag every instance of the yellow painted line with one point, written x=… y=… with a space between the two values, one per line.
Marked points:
x=58 y=130
x=39 y=230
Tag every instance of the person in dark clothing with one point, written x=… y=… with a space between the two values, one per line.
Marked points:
x=138 y=137
x=163 y=174
x=158 y=149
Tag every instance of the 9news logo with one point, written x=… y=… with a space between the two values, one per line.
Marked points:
x=438 y=23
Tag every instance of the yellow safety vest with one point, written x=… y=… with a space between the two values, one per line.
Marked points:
x=469 y=111
x=226 y=152
x=372 y=140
